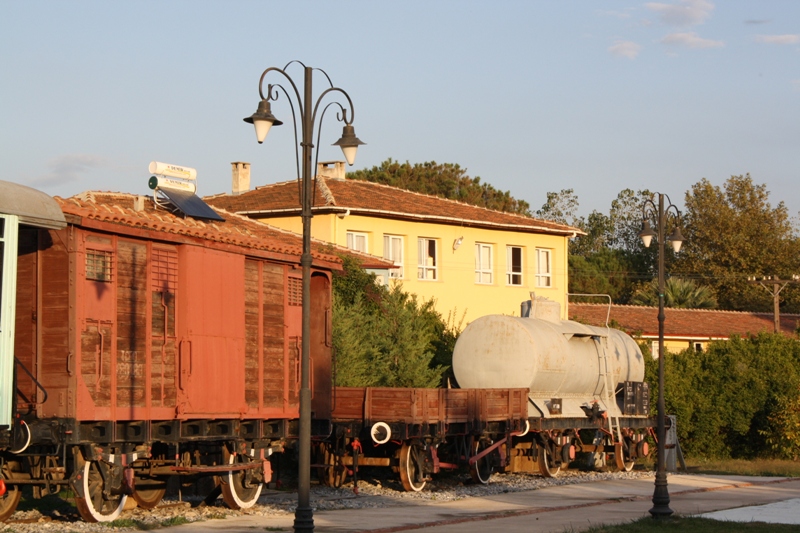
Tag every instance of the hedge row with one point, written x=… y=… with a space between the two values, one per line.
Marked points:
x=737 y=399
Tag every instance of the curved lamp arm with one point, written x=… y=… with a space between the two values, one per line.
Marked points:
x=661 y=215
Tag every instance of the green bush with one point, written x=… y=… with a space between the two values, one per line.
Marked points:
x=384 y=337
x=731 y=400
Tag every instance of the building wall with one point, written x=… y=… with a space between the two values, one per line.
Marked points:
x=455 y=288
x=678 y=345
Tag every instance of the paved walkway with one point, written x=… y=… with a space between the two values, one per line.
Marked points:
x=553 y=509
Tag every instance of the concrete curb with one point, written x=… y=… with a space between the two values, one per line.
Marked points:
x=528 y=512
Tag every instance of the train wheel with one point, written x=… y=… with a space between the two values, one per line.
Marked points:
x=410 y=467
x=546 y=462
x=332 y=474
x=95 y=506
x=239 y=488
x=619 y=457
x=9 y=500
x=481 y=470
x=149 y=491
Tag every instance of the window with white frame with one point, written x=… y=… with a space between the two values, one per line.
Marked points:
x=543 y=268
x=513 y=265
x=357 y=241
x=483 y=263
x=393 y=251
x=426 y=259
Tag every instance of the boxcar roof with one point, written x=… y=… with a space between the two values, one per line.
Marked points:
x=118 y=213
x=31 y=206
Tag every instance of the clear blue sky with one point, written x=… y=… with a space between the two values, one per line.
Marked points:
x=532 y=96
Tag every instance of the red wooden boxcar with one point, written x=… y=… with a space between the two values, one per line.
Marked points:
x=150 y=344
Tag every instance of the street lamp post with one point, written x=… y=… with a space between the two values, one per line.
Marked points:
x=263 y=120
x=662 y=216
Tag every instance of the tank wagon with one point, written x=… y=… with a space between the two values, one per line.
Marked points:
x=579 y=378
x=139 y=344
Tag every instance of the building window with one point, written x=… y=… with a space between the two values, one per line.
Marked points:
x=513 y=265
x=543 y=268
x=98 y=265
x=426 y=262
x=357 y=241
x=654 y=349
x=483 y=263
x=698 y=347
x=393 y=251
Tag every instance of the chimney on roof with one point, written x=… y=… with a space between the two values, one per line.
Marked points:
x=331 y=169
x=241 y=177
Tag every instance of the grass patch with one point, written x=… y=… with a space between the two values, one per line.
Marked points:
x=695 y=525
x=129 y=522
x=740 y=467
x=174 y=521
x=146 y=526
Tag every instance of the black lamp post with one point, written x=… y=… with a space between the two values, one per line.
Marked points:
x=263 y=120
x=662 y=216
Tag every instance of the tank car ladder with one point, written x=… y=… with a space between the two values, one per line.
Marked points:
x=608 y=389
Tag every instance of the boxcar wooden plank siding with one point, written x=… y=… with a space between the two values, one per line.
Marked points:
x=252 y=280
x=131 y=353
x=273 y=333
x=55 y=315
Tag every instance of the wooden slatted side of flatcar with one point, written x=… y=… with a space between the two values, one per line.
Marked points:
x=429 y=406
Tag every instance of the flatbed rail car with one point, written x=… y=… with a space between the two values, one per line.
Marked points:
x=145 y=345
x=420 y=432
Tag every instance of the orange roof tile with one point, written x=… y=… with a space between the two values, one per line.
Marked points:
x=682 y=323
x=118 y=208
x=334 y=195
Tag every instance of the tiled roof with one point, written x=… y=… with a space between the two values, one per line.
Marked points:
x=682 y=323
x=374 y=199
x=118 y=208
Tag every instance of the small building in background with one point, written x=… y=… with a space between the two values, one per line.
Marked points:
x=683 y=328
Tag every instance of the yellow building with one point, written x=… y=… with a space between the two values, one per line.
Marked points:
x=472 y=261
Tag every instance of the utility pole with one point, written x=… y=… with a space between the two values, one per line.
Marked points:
x=777 y=286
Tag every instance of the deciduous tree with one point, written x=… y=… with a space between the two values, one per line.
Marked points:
x=733 y=232
x=445 y=180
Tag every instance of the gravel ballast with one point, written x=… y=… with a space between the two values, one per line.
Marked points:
x=372 y=492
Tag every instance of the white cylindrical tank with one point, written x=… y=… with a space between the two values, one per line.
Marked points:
x=553 y=358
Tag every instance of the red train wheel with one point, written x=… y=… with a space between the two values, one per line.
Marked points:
x=546 y=463
x=93 y=505
x=337 y=474
x=10 y=498
x=149 y=491
x=481 y=470
x=623 y=464
x=411 y=474
x=240 y=489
